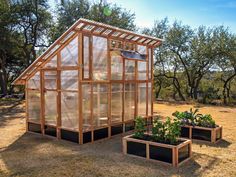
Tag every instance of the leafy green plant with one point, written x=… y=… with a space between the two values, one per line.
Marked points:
x=139 y=127
x=173 y=130
x=158 y=130
x=206 y=121
x=167 y=131
x=187 y=117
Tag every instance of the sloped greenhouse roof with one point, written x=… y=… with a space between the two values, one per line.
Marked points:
x=91 y=27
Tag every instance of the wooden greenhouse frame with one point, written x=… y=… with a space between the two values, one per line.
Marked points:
x=90 y=83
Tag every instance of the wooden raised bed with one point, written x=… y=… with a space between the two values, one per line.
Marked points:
x=212 y=135
x=173 y=155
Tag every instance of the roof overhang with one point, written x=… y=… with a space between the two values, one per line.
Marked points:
x=89 y=27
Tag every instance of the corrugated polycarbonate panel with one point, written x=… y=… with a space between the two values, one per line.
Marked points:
x=116 y=66
x=86 y=62
x=100 y=105
x=142 y=70
x=142 y=96
x=52 y=63
x=116 y=102
x=69 y=110
x=50 y=107
x=129 y=101
x=34 y=105
x=69 y=80
x=99 y=58
x=86 y=106
x=69 y=54
x=34 y=81
x=129 y=70
x=50 y=79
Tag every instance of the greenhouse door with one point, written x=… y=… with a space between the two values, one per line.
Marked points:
x=50 y=102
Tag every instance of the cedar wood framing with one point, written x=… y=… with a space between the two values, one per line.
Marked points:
x=81 y=28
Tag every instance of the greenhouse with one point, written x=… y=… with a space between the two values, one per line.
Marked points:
x=90 y=83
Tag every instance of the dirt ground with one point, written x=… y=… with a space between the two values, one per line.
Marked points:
x=25 y=154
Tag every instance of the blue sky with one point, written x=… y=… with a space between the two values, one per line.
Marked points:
x=190 y=12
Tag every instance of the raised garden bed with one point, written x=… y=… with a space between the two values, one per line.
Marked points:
x=212 y=135
x=174 y=155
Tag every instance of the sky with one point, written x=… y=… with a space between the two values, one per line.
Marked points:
x=190 y=12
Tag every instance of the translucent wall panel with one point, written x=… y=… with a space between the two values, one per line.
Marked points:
x=116 y=66
x=34 y=81
x=142 y=70
x=100 y=105
x=129 y=70
x=50 y=98
x=141 y=49
x=86 y=106
x=150 y=63
x=86 y=62
x=69 y=110
x=129 y=100
x=149 y=98
x=50 y=79
x=142 y=102
x=99 y=58
x=69 y=79
x=52 y=63
x=116 y=102
x=34 y=105
x=69 y=54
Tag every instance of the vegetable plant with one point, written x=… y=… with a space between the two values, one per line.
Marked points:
x=139 y=127
x=206 y=121
x=188 y=117
x=193 y=118
x=167 y=131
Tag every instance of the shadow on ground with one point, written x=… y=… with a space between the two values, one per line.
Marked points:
x=35 y=155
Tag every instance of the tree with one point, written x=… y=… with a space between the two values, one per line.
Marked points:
x=226 y=59
x=69 y=12
x=32 y=21
x=11 y=57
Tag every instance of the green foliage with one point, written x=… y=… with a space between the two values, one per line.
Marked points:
x=158 y=130
x=139 y=127
x=187 y=117
x=193 y=118
x=206 y=121
x=70 y=11
x=166 y=132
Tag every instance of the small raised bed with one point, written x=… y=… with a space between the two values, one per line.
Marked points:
x=174 y=155
x=212 y=135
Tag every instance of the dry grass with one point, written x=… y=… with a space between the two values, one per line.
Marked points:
x=25 y=154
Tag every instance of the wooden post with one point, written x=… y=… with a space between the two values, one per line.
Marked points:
x=26 y=106
x=80 y=62
x=147 y=151
x=109 y=87
x=58 y=95
x=190 y=132
x=42 y=115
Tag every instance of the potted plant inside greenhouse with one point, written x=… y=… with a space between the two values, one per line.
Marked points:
x=163 y=144
x=198 y=126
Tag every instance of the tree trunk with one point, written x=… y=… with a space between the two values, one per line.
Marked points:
x=3 y=81
x=225 y=92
